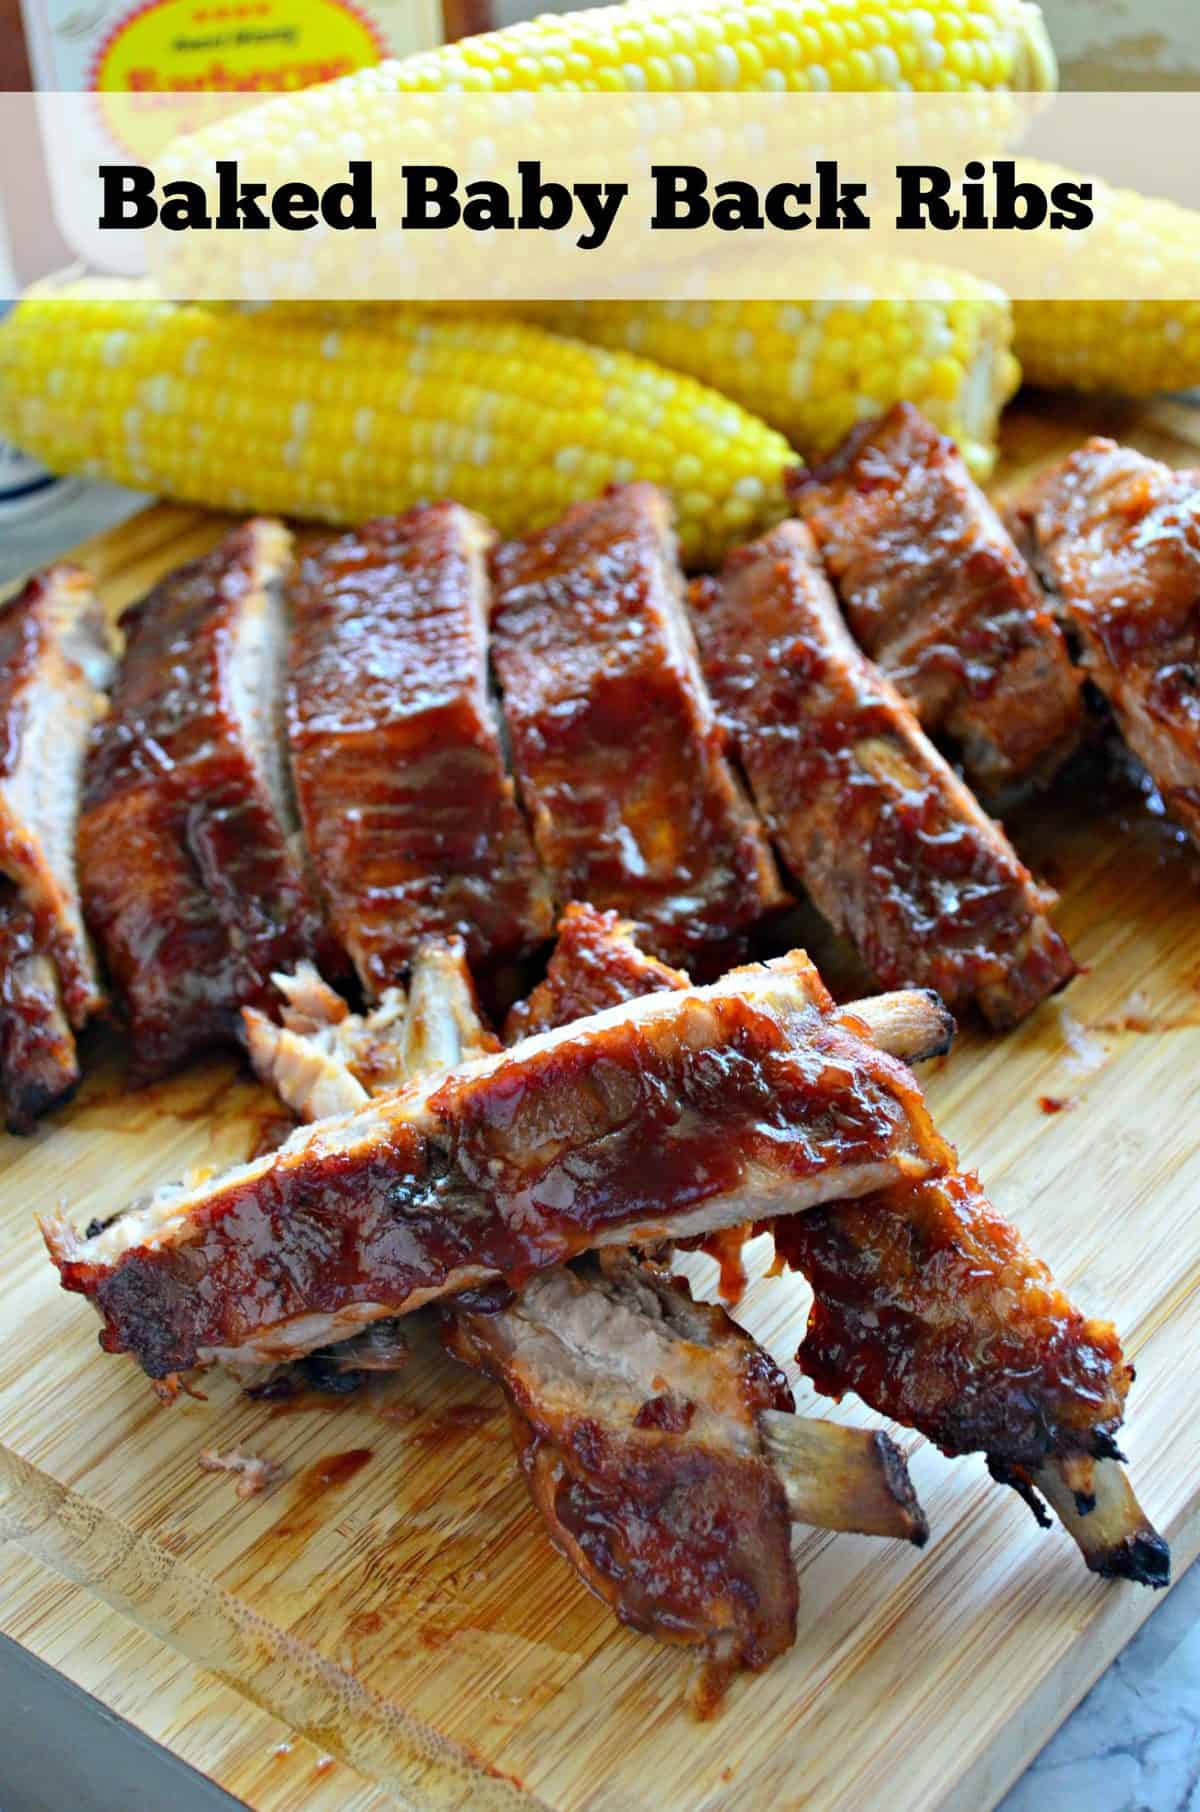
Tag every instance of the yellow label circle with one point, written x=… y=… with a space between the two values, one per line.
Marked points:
x=203 y=48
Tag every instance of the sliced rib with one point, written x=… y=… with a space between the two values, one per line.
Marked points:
x=616 y=750
x=668 y=1117
x=638 y=1416
x=937 y=594
x=55 y=660
x=929 y=1306
x=409 y=814
x=890 y=844
x=1116 y=538
x=654 y=1435
x=187 y=846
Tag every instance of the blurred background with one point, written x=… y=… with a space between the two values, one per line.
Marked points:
x=1101 y=43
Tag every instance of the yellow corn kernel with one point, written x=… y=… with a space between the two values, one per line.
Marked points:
x=813 y=369
x=1094 y=341
x=741 y=45
x=298 y=415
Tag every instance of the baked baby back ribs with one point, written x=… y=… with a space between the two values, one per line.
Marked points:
x=928 y=1305
x=668 y=1117
x=892 y=847
x=55 y=660
x=937 y=594
x=410 y=817
x=615 y=747
x=656 y=1437
x=1116 y=539
x=188 y=852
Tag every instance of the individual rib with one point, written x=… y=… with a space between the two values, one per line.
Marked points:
x=55 y=660
x=1116 y=539
x=936 y=593
x=410 y=817
x=187 y=841
x=664 y=1118
x=615 y=748
x=929 y=1306
x=39 y=1066
x=890 y=844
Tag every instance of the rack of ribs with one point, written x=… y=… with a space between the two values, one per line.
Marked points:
x=615 y=747
x=187 y=844
x=667 y=1117
x=658 y=1441
x=410 y=817
x=937 y=594
x=55 y=661
x=1115 y=537
x=892 y=847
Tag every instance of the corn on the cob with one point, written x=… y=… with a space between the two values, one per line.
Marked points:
x=1093 y=342
x=800 y=45
x=288 y=414
x=812 y=369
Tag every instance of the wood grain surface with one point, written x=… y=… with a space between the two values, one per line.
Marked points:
x=387 y=1627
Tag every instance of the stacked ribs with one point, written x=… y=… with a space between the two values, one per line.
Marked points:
x=331 y=794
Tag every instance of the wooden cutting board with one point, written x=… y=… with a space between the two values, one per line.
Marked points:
x=388 y=1627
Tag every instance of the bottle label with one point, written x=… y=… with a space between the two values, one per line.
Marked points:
x=221 y=47
x=198 y=48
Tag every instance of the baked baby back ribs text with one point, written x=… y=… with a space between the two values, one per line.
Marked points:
x=614 y=742
x=55 y=660
x=1116 y=538
x=187 y=850
x=892 y=847
x=668 y=1117
x=410 y=817
x=937 y=594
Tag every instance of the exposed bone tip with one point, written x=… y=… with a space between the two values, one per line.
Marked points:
x=894 y=1467
x=851 y=1479
x=1102 y=1515
x=946 y=1021
x=1143 y=1557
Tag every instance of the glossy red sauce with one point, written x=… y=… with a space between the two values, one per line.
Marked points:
x=935 y=591
x=410 y=816
x=531 y=1163
x=619 y=761
x=890 y=846
x=1117 y=535
x=929 y=1307
x=188 y=877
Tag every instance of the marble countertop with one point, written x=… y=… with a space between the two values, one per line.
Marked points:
x=1133 y=1745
